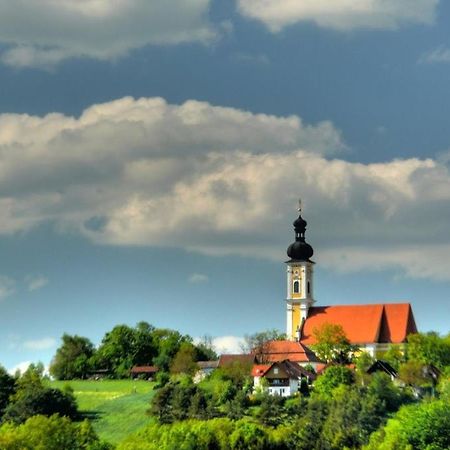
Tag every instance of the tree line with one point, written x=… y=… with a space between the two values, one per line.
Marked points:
x=124 y=347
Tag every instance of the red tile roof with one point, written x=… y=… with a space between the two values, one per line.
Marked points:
x=286 y=350
x=258 y=370
x=363 y=324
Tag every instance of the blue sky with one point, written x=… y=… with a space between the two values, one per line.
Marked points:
x=152 y=154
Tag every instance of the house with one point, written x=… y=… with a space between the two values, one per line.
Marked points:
x=281 y=378
x=204 y=368
x=383 y=366
x=144 y=372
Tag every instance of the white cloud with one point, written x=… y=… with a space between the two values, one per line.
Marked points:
x=7 y=287
x=342 y=15
x=198 y=278
x=228 y=344
x=35 y=283
x=221 y=181
x=40 y=344
x=438 y=55
x=45 y=32
x=21 y=367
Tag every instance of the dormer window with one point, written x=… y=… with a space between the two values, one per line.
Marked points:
x=296 y=287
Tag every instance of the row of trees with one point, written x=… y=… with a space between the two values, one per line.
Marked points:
x=124 y=347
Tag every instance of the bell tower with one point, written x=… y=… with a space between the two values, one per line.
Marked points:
x=300 y=284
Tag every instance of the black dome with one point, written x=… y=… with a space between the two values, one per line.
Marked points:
x=300 y=251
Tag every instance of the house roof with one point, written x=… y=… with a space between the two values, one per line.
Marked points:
x=227 y=360
x=292 y=369
x=144 y=369
x=207 y=364
x=258 y=370
x=362 y=324
x=382 y=366
x=285 y=350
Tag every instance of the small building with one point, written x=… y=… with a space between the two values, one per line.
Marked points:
x=144 y=372
x=282 y=378
x=383 y=366
x=204 y=368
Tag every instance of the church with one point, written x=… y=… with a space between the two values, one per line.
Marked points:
x=373 y=328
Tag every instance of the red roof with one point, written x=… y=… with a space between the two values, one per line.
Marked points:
x=286 y=350
x=259 y=370
x=363 y=324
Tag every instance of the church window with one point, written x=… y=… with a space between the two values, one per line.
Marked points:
x=296 y=287
x=309 y=288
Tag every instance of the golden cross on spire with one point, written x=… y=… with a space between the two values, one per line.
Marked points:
x=299 y=205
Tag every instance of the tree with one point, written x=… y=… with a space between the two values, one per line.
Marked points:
x=259 y=343
x=423 y=426
x=332 y=343
x=168 y=343
x=429 y=348
x=7 y=388
x=32 y=398
x=184 y=360
x=205 y=349
x=73 y=358
x=50 y=433
x=413 y=373
x=333 y=377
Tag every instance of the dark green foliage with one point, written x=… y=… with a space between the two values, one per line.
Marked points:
x=32 y=397
x=73 y=358
x=7 y=388
x=178 y=401
x=236 y=407
x=271 y=411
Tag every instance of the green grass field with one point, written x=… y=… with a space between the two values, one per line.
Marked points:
x=116 y=407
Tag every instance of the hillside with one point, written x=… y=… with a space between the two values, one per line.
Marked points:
x=116 y=407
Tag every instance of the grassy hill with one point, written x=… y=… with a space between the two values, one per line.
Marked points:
x=116 y=407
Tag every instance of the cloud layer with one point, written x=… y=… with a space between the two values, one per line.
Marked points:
x=45 y=32
x=221 y=181
x=342 y=15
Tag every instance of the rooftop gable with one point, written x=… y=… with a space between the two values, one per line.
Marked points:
x=363 y=324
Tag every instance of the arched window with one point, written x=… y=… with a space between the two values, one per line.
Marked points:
x=309 y=288
x=296 y=287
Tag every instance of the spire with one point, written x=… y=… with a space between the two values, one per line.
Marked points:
x=300 y=250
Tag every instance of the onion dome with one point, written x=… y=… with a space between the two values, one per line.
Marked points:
x=300 y=250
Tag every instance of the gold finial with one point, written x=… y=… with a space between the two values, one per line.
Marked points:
x=299 y=205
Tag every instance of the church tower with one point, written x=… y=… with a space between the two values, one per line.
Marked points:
x=299 y=280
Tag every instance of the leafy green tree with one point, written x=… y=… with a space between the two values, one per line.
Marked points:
x=7 y=388
x=271 y=411
x=382 y=387
x=32 y=398
x=332 y=344
x=205 y=349
x=423 y=426
x=413 y=374
x=184 y=360
x=429 y=348
x=333 y=377
x=50 y=433
x=236 y=407
x=72 y=359
x=167 y=342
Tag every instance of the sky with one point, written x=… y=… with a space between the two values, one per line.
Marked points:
x=152 y=154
